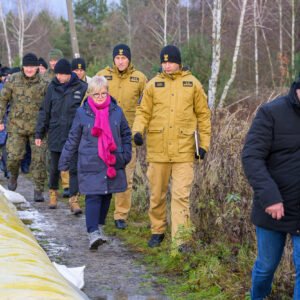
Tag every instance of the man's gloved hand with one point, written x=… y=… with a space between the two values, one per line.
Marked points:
x=202 y=153
x=138 y=139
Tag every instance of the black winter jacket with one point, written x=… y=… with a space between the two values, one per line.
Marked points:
x=92 y=176
x=271 y=161
x=58 y=110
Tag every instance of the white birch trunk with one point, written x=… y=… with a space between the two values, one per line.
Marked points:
x=216 y=52
x=188 y=21
x=235 y=55
x=202 y=17
x=255 y=47
x=129 y=23
x=3 y=21
x=165 y=22
x=293 y=39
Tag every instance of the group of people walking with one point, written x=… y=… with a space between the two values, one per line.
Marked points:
x=87 y=129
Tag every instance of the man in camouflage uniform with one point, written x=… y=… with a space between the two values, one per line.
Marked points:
x=24 y=91
x=126 y=85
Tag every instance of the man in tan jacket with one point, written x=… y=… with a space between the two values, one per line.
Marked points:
x=173 y=107
x=126 y=85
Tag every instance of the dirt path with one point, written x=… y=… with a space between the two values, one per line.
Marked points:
x=111 y=273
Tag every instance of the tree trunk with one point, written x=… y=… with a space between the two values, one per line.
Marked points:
x=188 y=21
x=73 y=34
x=3 y=21
x=129 y=23
x=255 y=47
x=235 y=55
x=216 y=52
x=165 y=22
x=293 y=39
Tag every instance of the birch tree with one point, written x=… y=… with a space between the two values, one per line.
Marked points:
x=235 y=55
x=293 y=38
x=216 y=52
x=3 y=21
x=255 y=46
x=161 y=35
x=188 y=21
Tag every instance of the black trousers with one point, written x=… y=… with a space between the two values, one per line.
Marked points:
x=55 y=173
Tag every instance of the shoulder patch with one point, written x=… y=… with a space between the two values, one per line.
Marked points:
x=159 y=84
x=187 y=83
x=134 y=79
x=108 y=77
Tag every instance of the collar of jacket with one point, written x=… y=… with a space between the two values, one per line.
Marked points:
x=125 y=73
x=180 y=73
x=293 y=98
x=88 y=110
x=33 y=79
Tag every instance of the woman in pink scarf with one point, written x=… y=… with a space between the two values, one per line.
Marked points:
x=101 y=136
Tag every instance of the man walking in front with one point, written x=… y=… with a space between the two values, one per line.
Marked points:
x=126 y=85
x=24 y=91
x=173 y=107
x=271 y=160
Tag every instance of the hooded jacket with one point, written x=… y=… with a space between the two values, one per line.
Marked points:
x=271 y=161
x=173 y=106
x=58 y=110
x=126 y=87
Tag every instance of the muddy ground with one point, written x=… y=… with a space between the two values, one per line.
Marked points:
x=113 y=272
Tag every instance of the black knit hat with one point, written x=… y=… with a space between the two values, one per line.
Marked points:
x=78 y=63
x=63 y=66
x=122 y=49
x=30 y=59
x=43 y=63
x=170 y=53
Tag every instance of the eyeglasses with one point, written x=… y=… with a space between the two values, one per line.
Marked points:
x=98 y=95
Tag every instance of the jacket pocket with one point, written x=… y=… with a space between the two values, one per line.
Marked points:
x=155 y=139
x=186 y=140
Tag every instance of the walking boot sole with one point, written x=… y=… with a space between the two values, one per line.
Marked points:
x=52 y=206
x=96 y=244
x=39 y=200
x=76 y=212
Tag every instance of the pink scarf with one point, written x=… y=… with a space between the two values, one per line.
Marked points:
x=101 y=129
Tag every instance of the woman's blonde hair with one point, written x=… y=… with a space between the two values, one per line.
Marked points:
x=96 y=83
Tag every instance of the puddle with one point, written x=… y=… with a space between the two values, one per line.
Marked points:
x=38 y=225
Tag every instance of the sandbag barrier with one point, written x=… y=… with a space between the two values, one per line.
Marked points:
x=26 y=272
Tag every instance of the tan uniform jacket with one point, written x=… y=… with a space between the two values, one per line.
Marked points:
x=126 y=87
x=171 y=109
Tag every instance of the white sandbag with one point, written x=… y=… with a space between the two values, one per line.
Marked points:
x=74 y=275
x=13 y=197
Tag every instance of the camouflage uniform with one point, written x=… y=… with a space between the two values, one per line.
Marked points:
x=25 y=96
x=49 y=75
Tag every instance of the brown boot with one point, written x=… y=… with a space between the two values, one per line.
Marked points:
x=74 y=205
x=52 y=199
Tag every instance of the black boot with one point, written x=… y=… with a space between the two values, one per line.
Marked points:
x=155 y=240
x=38 y=196
x=66 y=193
x=120 y=224
x=12 y=183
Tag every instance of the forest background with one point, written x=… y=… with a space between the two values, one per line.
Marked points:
x=244 y=52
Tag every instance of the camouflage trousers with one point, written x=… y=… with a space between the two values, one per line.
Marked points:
x=16 y=147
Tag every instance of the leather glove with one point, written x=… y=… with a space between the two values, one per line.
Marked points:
x=138 y=139
x=202 y=153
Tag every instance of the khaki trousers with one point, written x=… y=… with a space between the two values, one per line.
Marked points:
x=65 y=179
x=182 y=175
x=123 y=200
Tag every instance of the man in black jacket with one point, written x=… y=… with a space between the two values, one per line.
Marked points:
x=271 y=160
x=63 y=97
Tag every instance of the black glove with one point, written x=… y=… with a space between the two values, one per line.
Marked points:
x=202 y=153
x=138 y=139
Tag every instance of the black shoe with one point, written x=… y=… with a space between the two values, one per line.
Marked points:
x=12 y=183
x=66 y=193
x=38 y=196
x=25 y=169
x=155 y=240
x=120 y=224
